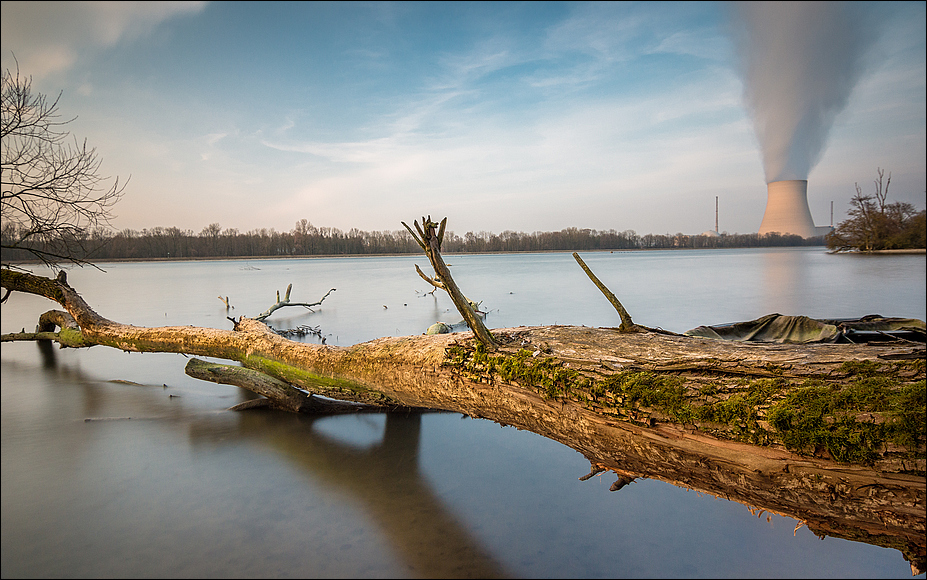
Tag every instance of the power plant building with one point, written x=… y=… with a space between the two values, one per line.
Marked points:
x=787 y=210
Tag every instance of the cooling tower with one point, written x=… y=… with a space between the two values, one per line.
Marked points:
x=787 y=210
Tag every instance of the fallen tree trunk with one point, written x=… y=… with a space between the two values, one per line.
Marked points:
x=598 y=390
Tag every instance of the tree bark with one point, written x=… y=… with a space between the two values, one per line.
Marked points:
x=882 y=503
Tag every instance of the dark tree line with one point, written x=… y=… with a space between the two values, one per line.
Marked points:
x=305 y=239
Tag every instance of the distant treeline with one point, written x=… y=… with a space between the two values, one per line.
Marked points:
x=308 y=240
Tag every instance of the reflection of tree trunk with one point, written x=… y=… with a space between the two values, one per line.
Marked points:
x=47 y=351
x=415 y=371
x=386 y=482
x=403 y=432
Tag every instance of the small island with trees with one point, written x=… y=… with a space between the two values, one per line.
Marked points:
x=875 y=225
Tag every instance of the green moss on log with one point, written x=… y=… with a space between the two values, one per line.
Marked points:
x=852 y=422
x=71 y=337
x=854 y=416
x=315 y=383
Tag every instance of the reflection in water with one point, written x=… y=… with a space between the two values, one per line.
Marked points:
x=385 y=480
x=782 y=271
x=47 y=352
x=842 y=511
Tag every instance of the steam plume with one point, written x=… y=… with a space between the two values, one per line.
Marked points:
x=800 y=62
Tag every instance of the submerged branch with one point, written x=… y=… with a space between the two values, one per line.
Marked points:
x=279 y=394
x=286 y=302
x=284 y=395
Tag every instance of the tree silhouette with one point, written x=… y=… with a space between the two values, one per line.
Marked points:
x=53 y=197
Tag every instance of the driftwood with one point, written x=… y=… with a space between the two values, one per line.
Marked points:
x=285 y=302
x=881 y=501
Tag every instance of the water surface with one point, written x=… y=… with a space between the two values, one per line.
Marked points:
x=156 y=479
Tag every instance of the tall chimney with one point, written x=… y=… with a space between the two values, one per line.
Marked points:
x=716 y=214
x=787 y=209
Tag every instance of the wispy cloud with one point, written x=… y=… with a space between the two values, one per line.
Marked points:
x=607 y=31
x=49 y=37
x=698 y=43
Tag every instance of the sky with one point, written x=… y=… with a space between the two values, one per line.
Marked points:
x=522 y=116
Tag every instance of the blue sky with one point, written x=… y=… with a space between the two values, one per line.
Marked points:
x=500 y=116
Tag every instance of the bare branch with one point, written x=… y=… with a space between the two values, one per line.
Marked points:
x=417 y=239
x=441 y=232
x=432 y=281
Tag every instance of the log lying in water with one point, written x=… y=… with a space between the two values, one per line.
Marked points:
x=710 y=415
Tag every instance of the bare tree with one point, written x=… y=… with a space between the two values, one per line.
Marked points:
x=52 y=193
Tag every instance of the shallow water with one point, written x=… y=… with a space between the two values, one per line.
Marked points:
x=156 y=479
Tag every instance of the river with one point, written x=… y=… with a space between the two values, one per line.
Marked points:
x=119 y=465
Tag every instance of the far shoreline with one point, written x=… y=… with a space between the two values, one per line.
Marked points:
x=90 y=262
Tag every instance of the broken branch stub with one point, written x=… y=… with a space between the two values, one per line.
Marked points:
x=430 y=241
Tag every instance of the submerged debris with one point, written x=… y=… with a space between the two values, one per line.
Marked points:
x=299 y=331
